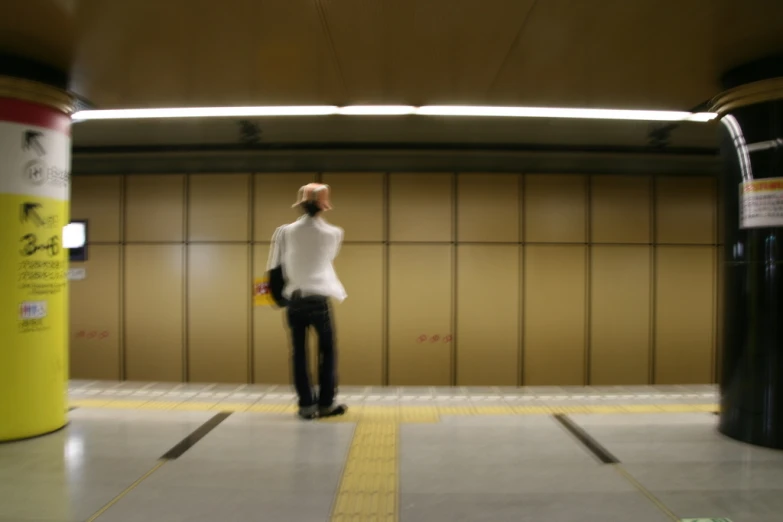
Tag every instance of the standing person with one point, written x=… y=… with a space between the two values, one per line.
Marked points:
x=306 y=249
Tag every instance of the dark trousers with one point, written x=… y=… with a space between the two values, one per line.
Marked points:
x=304 y=312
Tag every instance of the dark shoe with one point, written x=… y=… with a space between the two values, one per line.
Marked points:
x=308 y=413
x=332 y=411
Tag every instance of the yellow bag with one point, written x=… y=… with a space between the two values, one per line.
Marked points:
x=261 y=295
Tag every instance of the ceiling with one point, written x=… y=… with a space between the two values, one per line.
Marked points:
x=644 y=54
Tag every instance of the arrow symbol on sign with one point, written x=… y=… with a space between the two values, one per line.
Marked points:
x=31 y=142
x=29 y=212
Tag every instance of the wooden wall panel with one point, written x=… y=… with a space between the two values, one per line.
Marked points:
x=219 y=207
x=98 y=200
x=359 y=204
x=359 y=320
x=720 y=304
x=488 y=208
x=274 y=194
x=720 y=218
x=95 y=328
x=488 y=315
x=155 y=208
x=621 y=209
x=219 y=292
x=620 y=315
x=719 y=271
x=686 y=210
x=420 y=305
x=271 y=340
x=555 y=208
x=554 y=321
x=154 y=312
x=684 y=314
x=420 y=207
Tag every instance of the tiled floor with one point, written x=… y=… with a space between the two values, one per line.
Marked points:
x=402 y=454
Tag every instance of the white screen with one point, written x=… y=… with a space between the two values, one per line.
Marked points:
x=74 y=235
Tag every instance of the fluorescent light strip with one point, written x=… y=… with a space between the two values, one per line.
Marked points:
x=553 y=112
x=205 y=112
x=377 y=110
x=395 y=110
x=702 y=117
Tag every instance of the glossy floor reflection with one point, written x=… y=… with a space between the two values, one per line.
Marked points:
x=415 y=462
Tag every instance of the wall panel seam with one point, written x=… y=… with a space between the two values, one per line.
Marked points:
x=186 y=284
x=714 y=206
x=520 y=314
x=454 y=291
x=588 y=282
x=713 y=341
x=386 y=280
x=251 y=254
x=121 y=253
x=652 y=358
x=379 y=242
x=522 y=281
x=217 y=242
x=716 y=355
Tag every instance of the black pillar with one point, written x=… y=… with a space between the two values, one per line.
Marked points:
x=751 y=384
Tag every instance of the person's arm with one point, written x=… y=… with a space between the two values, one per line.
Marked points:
x=275 y=269
x=276 y=249
x=340 y=233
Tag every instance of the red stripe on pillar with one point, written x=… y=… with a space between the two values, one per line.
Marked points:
x=29 y=113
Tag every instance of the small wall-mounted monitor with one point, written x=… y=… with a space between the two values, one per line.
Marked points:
x=75 y=240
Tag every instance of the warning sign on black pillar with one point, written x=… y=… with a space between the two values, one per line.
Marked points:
x=761 y=203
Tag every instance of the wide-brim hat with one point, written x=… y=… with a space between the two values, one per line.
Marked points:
x=315 y=192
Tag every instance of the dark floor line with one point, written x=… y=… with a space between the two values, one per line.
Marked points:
x=191 y=440
x=72 y=408
x=648 y=494
x=587 y=441
x=98 y=514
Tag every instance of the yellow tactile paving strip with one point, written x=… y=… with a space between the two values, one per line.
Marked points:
x=400 y=413
x=369 y=485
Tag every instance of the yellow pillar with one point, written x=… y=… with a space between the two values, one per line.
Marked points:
x=35 y=162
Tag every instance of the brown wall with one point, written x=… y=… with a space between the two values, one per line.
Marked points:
x=467 y=279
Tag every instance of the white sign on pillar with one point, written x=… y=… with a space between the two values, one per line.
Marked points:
x=761 y=203
x=35 y=158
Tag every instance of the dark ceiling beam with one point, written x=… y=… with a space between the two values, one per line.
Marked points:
x=396 y=160
x=24 y=68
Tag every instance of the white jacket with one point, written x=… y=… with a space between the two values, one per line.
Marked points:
x=307 y=248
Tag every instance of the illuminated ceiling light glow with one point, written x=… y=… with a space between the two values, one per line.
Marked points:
x=376 y=110
x=392 y=110
x=206 y=112
x=702 y=117
x=554 y=112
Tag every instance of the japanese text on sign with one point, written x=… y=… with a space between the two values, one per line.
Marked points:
x=761 y=203
x=42 y=277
